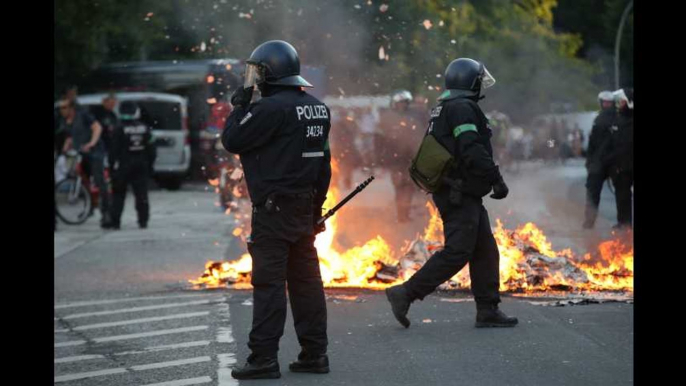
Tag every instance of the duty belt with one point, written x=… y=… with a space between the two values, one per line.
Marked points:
x=271 y=204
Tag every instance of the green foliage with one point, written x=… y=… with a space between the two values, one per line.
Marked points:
x=534 y=64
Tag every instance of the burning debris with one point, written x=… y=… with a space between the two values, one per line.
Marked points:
x=528 y=263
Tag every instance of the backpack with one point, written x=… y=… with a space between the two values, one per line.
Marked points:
x=431 y=164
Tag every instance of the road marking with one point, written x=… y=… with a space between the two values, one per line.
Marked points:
x=146 y=350
x=113 y=301
x=119 y=370
x=183 y=382
x=134 y=336
x=70 y=343
x=136 y=321
x=171 y=363
x=224 y=335
x=90 y=374
x=78 y=358
x=167 y=347
x=137 y=309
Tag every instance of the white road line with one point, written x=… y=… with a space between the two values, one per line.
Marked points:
x=90 y=374
x=167 y=347
x=70 y=343
x=112 y=301
x=171 y=363
x=137 y=309
x=119 y=370
x=63 y=330
x=224 y=335
x=183 y=382
x=142 y=320
x=146 y=350
x=78 y=358
x=134 y=336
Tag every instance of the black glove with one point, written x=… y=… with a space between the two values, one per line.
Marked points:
x=317 y=215
x=500 y=190
x=242 y=96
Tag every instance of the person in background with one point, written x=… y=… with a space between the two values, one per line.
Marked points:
x=108 y=119
x=132 y=156
x=621 y=156
x=598 y=144
x=83 y=134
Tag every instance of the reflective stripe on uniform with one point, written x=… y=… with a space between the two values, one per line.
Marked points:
x=463 y=128
x=313 y=154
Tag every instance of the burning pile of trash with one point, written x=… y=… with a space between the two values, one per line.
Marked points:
x=528 y=262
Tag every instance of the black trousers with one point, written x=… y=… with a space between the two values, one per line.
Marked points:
x=623 y=181
x=136 y=175
x=283 y=252
x=594 y=186
x=468 y=239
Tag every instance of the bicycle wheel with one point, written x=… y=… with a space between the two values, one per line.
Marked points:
x=73 y=201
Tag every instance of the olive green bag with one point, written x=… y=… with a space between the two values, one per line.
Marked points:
x=431 y=164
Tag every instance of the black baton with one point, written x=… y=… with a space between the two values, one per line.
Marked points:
x=347 y=198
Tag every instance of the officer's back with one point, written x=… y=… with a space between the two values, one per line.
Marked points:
x=281 y=141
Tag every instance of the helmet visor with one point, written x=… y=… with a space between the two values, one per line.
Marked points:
x=487 y=80
x=253 y=75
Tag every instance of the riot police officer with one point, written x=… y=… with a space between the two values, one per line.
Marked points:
x=401 y=128
x=132 y=157
x=621 y=156
x=459 y=125
x=598 y=146
x=282 y=141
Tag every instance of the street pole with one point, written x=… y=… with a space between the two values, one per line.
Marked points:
x=618 y=41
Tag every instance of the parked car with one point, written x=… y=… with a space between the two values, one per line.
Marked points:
x=167 y=114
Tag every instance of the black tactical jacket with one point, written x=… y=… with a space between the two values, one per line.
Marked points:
x=461 y=126
x=131 y=143
x=621 y=154
x=282 y=140
x=599 y=141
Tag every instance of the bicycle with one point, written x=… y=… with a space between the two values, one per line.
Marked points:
x=73 y=196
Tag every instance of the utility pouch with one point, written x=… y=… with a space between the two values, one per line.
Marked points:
x=431 y=164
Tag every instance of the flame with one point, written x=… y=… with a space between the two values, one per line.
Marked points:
x=528 y=261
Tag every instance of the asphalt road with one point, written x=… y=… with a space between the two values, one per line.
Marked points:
x=124 y=315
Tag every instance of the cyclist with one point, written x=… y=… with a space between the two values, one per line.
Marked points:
x=83 y=134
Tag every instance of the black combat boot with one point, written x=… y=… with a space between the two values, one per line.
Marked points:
x=400 y=303
x=258 y=368
x=491 y=316
x=310 y=363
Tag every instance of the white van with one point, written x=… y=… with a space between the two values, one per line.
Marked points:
x=167 y=114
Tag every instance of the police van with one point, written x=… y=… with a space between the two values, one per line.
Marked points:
x=167 y=115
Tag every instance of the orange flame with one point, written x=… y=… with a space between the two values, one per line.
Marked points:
x=528 y=261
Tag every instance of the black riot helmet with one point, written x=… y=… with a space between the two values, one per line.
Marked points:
x=129 y=111
x=465 y=77
x=277 y=63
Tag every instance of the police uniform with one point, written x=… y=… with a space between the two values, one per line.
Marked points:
x=621 y=161
x=460 y=126
x=132 y=157
x=400 y=132
x=282 y=141
x=598 y=171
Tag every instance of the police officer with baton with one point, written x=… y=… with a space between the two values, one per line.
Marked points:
x=282 y=141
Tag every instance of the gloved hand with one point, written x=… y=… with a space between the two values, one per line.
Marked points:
x=242 y=97
x=317 y=215
x=500 y=190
